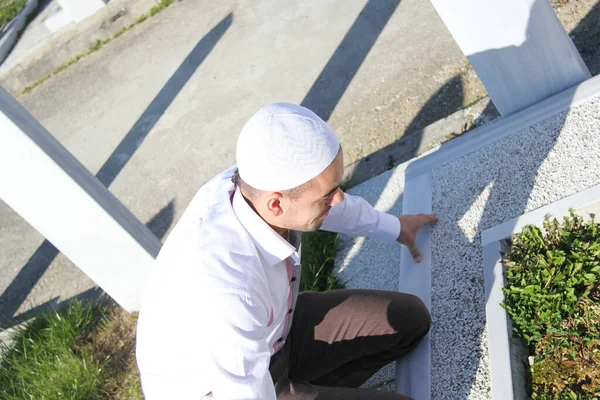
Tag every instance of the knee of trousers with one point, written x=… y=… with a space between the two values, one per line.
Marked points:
x=407 y=310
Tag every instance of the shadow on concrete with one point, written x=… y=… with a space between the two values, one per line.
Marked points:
x=332 y=82
x=586 y=37
x=136 y=135
x=448 y=99
x=161 y=222
x=18 y=290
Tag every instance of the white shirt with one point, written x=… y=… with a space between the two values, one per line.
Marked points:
x=220 y=300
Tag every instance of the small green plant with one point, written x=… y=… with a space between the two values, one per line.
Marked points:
x=552 y=294
x=10 y=9
x=160 y=6
x=96 y=46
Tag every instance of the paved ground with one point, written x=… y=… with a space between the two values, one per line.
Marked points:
x=156 y=113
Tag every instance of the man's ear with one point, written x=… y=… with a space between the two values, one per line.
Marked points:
x=274 y=204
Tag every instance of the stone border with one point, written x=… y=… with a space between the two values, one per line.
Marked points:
x=413 y=373
x=504 y=363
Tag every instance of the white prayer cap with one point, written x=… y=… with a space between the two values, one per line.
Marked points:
x=283 y=146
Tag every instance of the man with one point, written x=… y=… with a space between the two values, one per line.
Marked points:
x=222 y=317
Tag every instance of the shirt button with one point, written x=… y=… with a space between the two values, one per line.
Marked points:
x=291 y=311
x=293 y=279
x=280 y=340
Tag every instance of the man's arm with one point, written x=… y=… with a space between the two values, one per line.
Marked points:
x=354 y=216
x=239 y=350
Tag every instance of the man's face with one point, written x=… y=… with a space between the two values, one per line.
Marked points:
x=308 y=212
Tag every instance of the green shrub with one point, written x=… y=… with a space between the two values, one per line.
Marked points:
x=552 y=294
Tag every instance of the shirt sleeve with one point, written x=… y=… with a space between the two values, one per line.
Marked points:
x=240 y=354
x=354 y=216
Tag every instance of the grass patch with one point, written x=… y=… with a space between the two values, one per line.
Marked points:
x=162 y=4
x=318 y=255
x=45 y=361
x=81 y=352
x=552 y=294
x=9 y=9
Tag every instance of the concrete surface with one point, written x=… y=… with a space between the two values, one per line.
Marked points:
x=40 y=51
x=73 y=11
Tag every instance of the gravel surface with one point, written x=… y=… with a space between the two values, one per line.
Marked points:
x=534 y=167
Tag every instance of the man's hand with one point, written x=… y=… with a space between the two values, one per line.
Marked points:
x=409 y=227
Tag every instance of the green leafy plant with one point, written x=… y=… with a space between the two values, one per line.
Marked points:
x=552 y=294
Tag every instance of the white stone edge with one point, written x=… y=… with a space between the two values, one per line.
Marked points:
x=498 y=130
x=413 y=376
x=497 y=322
x=536 y=217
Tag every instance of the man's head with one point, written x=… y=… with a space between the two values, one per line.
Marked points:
x=290 y=166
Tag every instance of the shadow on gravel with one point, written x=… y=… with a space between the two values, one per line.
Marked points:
x=18 y=290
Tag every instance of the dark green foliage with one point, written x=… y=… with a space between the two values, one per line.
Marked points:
x=552 y=294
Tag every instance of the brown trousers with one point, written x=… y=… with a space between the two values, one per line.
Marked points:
x=339 y=339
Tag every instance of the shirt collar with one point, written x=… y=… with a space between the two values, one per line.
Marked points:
x=272 y=246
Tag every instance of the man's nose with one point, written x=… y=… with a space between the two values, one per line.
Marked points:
x=337 y=198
